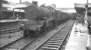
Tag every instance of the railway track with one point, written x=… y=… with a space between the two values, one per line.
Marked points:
x=52 y=40
x=18 y=45
x=10 y=34
x=7 y=39
x=56 y=42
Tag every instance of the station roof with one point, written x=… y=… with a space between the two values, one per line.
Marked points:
x=81 y=8
x=82 y=5
x=14 y=5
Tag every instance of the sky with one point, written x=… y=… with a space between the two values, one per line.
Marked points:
x=59 y=3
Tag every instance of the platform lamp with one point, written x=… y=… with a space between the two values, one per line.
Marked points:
x=20 y=1
x=89 y=36
x=86 y=14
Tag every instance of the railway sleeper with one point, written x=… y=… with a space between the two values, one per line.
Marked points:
x=48 y=48
x=54 y=46
x=54 y=43
x=56 y=39
x=51 y=45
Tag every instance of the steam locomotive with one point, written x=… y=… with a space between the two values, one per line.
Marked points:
x=41 y=19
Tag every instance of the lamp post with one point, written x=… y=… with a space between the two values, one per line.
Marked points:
x=20 y=1
x=89 y=36
x=86 y=13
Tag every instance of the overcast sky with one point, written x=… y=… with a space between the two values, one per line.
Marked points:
x=59 y=3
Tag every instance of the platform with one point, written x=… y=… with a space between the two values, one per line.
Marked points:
x=78 y=38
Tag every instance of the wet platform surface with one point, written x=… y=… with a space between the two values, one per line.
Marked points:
x=78 y=38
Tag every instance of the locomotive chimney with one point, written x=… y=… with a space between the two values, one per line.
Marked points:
x=35 y=3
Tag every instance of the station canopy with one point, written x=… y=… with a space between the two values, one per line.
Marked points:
x=81 y=8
